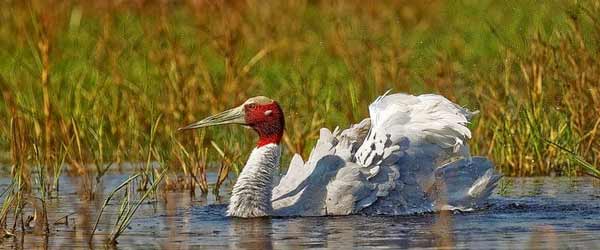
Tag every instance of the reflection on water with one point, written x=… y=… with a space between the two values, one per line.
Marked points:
x=540 y=213
x=251 y=233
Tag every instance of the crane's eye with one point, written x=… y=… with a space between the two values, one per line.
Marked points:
x=251 y=106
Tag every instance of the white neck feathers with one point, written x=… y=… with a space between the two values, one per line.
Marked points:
x=251 y=195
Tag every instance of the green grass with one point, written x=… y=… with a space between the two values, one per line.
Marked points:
x=530 y=67
x=92 y=84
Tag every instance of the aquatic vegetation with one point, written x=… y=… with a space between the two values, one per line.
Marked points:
x=95 y=74
x=588 y=167
x=146 y=177
x=83 y=82
x=193 y=165
x=127 y=208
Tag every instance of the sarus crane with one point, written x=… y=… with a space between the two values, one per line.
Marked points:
x=411 y=156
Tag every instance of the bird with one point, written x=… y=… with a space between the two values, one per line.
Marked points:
x=410 y=156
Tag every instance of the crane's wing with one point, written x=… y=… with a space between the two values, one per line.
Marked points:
x=411 y=156
x=303 y=190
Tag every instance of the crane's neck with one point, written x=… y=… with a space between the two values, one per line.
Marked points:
x=251 y=195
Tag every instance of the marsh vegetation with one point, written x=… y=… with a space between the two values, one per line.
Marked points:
x=89 y=87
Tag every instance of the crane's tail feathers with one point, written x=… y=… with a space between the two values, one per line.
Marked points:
x=464 y=184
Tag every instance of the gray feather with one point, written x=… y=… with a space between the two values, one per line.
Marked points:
x=390 y=163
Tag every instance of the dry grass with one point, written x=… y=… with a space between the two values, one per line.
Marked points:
x=87 y=80
x=92 y=83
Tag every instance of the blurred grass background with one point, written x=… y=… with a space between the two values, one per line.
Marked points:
x=85 y=81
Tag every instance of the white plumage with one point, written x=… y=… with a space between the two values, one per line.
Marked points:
x=251 y=196
x=411 y=156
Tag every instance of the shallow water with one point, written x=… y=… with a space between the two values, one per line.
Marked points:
x=523 y=213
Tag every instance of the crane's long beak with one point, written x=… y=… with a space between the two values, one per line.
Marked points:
x=232 y=116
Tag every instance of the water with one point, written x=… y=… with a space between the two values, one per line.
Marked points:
x=523 y=213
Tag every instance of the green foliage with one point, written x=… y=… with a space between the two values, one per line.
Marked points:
x=530 y=67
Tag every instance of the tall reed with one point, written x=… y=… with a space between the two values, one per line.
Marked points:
x=89 y=78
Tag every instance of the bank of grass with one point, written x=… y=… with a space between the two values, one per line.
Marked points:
x=86 y=81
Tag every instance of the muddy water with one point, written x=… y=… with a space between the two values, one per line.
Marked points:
x=524 y=213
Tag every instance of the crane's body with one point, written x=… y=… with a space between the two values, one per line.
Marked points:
x=410 y=156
